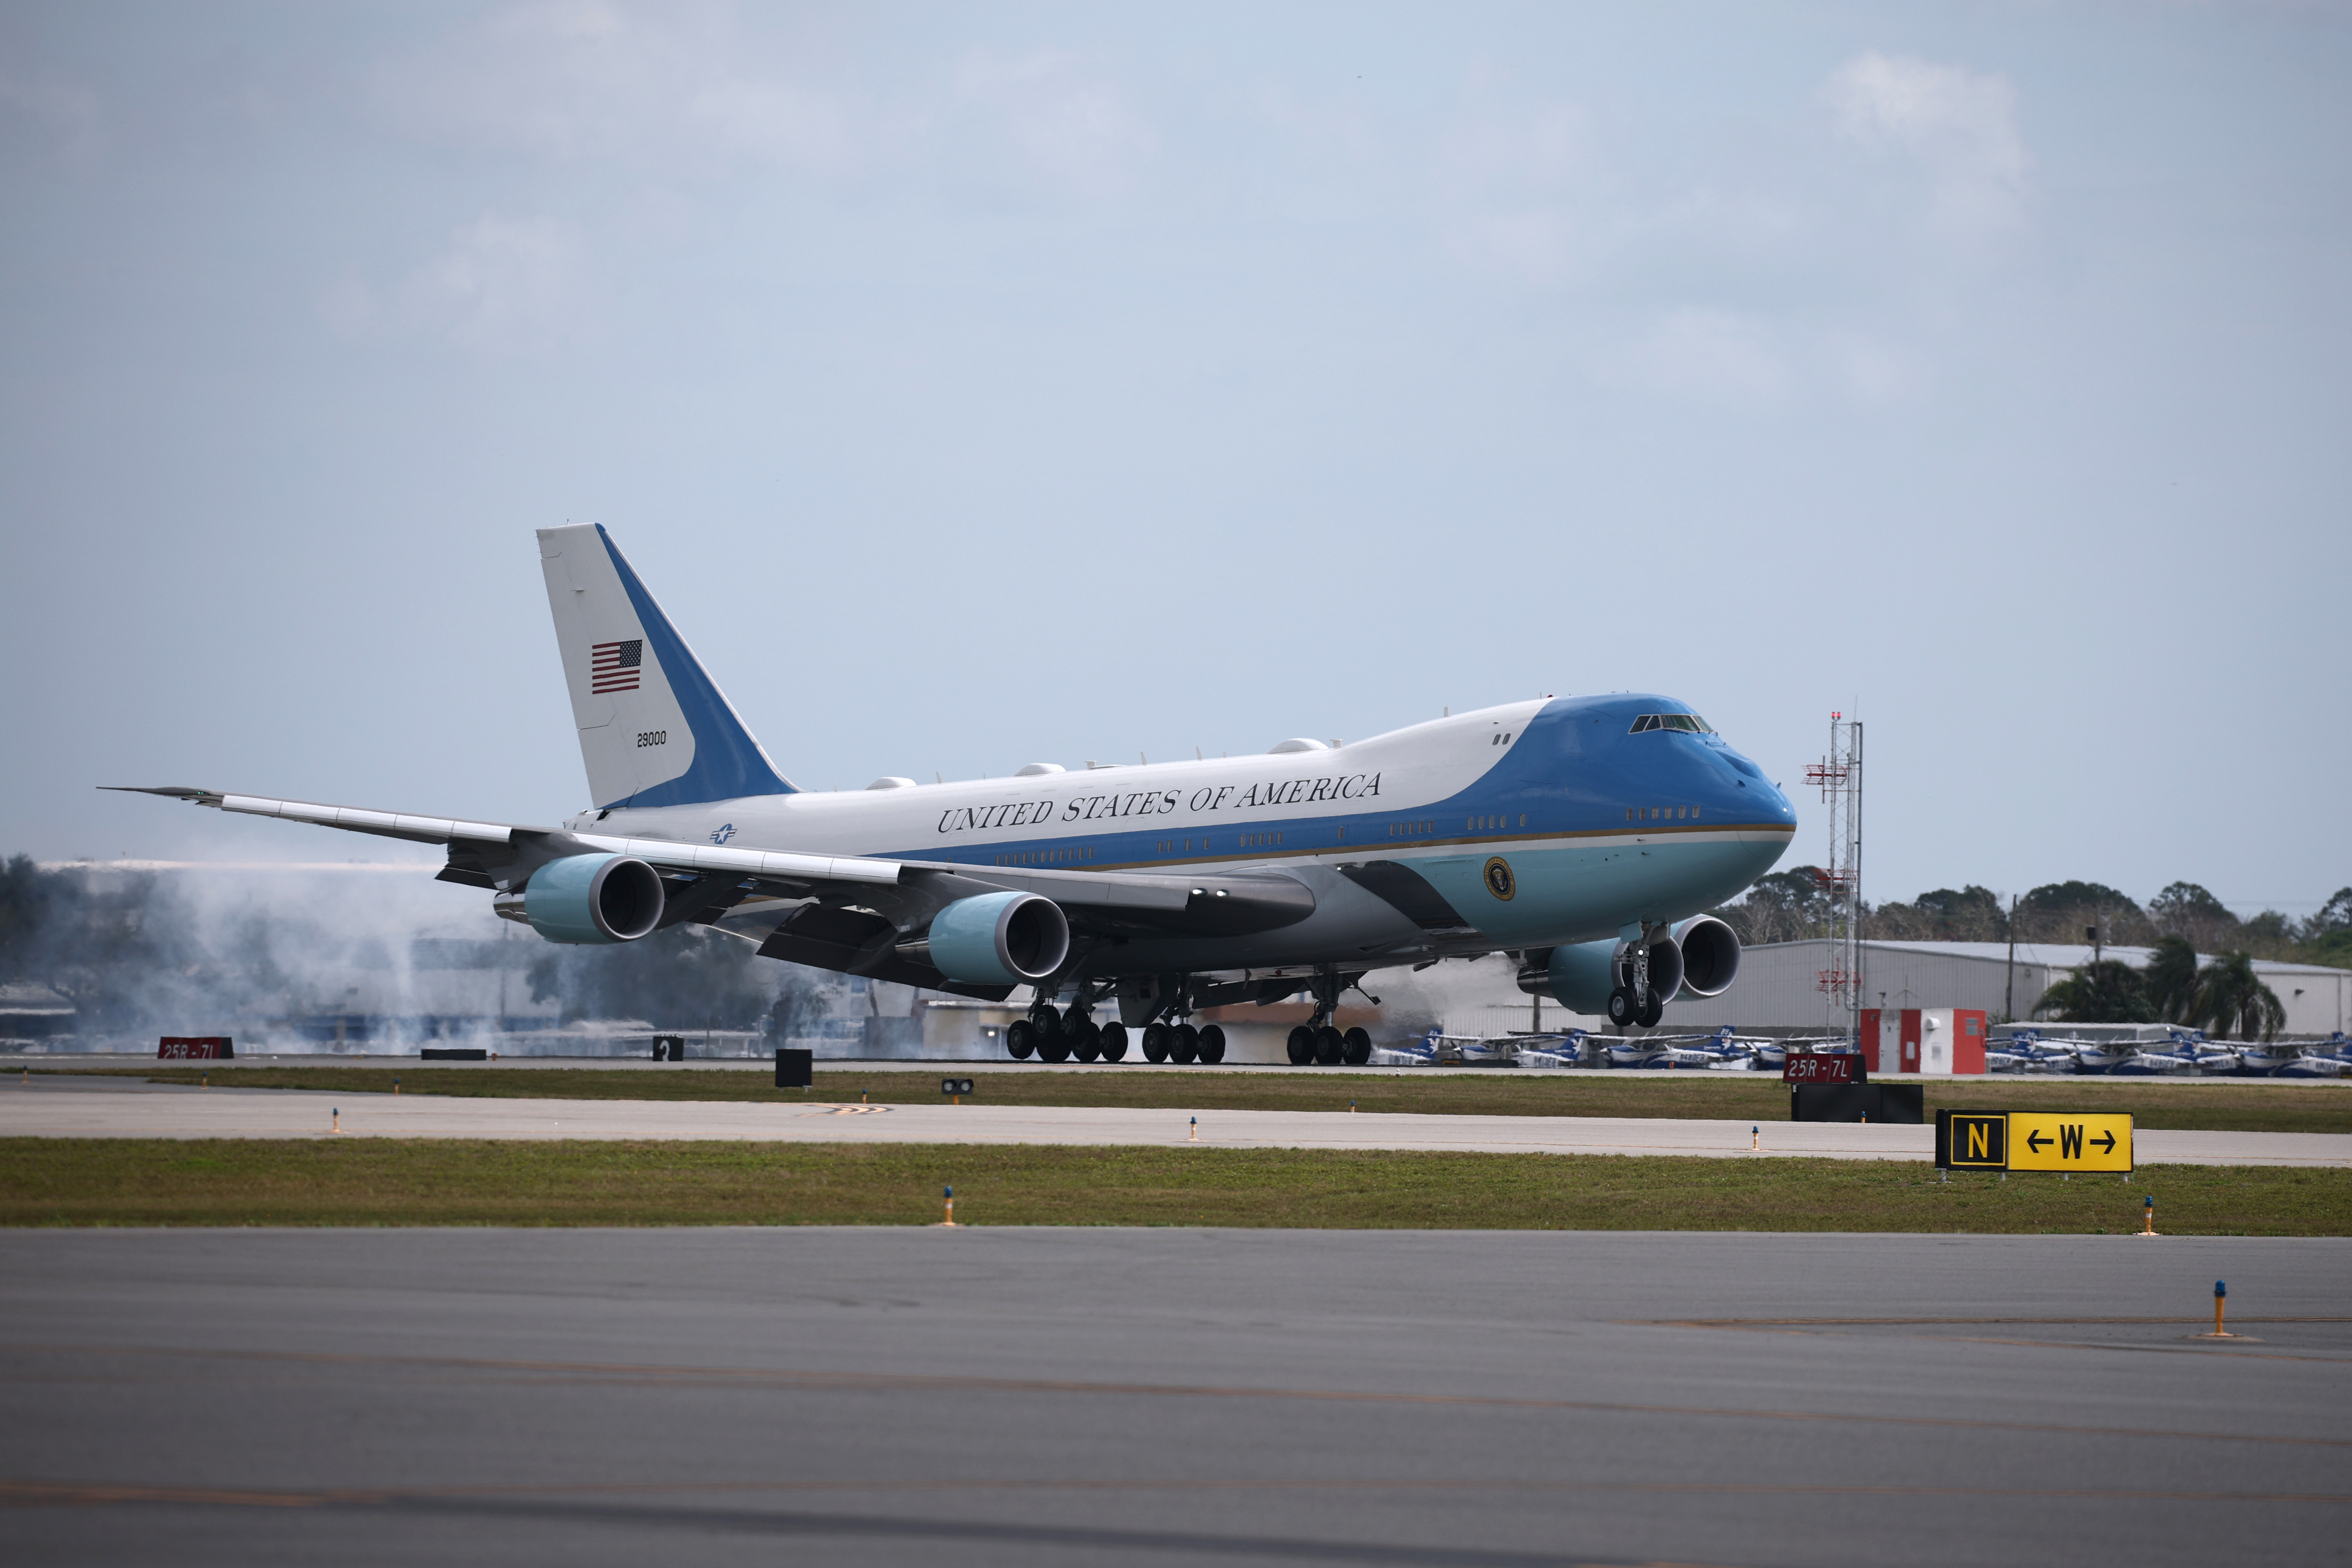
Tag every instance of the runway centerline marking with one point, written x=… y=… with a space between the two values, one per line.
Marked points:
x=919 y=1382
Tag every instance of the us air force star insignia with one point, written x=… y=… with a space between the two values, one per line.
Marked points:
x=1498 y=878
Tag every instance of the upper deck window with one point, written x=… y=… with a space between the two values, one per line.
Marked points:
x=1690 y=724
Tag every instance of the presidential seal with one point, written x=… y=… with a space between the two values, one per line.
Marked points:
x=1498 y=878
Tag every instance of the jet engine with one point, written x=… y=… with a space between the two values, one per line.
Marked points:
x=593 y=898
x=1710 y=956
x=1699 y=956
x=994 y=939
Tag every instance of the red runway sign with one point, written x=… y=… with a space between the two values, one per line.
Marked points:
x=1836 y=1068
x=196 y=1049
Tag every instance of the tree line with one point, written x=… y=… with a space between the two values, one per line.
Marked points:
x=1792 y=905
x=2224 y=996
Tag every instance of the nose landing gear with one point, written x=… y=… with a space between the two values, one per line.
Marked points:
x=1639 y=1002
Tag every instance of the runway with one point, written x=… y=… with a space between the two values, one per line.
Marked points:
x=1024 y=1397
x=131 y=1109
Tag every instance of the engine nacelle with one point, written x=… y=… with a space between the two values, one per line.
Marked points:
x=1698 y=957
x=1710 y=954
x=593 y=898
x=994 y=939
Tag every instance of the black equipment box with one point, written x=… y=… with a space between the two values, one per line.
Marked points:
x=455 y=1054
x=1905 y=1103
x=794 y=1068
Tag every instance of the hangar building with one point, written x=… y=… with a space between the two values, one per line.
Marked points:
x=1779 y=986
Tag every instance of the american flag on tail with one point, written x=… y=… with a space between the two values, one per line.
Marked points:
x=613 y=666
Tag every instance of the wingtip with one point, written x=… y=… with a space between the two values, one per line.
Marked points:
x=175 y=792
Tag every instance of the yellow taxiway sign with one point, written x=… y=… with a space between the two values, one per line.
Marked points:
x=2041 y=1141
x=2033 y=1141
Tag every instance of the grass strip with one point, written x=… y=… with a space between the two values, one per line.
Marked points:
x=450 y=1182
x=2218 y=1106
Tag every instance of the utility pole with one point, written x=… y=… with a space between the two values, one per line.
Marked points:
x=2009 y=991
x=1839 y=774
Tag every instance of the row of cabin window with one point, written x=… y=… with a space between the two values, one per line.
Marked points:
x=1045 y=856
x=1246 y=841
x=1661 y=812
x=1491 y=824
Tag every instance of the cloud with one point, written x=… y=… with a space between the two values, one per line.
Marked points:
x=656 y=87
x=1519 y=193
x=1960 y=126
x=1065 y=118
x=1714 y=356
x=47 y=107
x=498 y=285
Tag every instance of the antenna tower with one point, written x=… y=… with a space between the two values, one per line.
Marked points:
x=1839 y=774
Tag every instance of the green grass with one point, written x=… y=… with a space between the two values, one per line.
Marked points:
x=388 y=1181
x=2214 y=1106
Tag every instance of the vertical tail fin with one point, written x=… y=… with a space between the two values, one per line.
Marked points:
x=655 y=729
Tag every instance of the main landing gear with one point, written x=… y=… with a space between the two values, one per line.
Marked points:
x=1057 y=1036
x=1316 y=1041
x=1638 y=1002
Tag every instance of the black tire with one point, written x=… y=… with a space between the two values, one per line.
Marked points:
x=1621 y=1006
x=1330 y=1046
x=1653 y=1010
x=1020 y=1039
x=1086 y=1040
x=1155 y=1042
x=1053 y=1040
x=1114 y=1042
x=1212 y=1042
x=1183 y=1043
x=1301 y=1046
x=1356 y=1047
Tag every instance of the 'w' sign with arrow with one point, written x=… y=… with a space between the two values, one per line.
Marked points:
x=2041 y=1142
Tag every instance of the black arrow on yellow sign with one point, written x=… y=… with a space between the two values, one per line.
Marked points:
x=2034 y=1141
x=2108 y=1142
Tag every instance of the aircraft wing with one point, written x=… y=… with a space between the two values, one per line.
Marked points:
x=905 y=893
x=474 y=845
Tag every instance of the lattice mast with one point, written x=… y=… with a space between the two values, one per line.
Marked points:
x=1838 y=777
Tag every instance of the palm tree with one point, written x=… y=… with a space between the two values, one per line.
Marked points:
x=2108 y=992
x=2170 y=978
x=2229 y=993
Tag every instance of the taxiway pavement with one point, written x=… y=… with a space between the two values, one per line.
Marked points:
x=119 y=1110
x=1044 y=1396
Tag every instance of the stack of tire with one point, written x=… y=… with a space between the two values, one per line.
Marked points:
x=1329 y=1047
x=1053 y=1037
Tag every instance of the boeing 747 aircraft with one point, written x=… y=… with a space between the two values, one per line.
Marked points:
x=1581 y=835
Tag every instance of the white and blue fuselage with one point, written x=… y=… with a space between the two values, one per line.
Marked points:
x=1597 y=823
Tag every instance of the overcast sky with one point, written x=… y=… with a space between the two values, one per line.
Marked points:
x=978 y=384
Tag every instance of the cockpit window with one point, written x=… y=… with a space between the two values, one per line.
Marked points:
x=1689 y=723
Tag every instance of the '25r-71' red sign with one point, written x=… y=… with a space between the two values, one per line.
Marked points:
x=1838 y=1068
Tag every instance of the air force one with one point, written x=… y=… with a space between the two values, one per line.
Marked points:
x=1583 y=835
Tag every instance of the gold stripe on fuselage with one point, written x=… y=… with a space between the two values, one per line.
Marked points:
x=1488 y=843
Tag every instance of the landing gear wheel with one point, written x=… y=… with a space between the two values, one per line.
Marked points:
x=1183 y=1043
x=1330 y=1046
x=1086 y=1039
x=1212 y=1042
x=1301 y=1045
x=1155 y=1042
x=1622 y=1009
x=1053 y=1040
x=1114 y=1042
x=1652 y=1011
x=1020 y=1039
x=1356 y=1047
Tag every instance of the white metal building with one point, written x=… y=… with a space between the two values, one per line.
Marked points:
x=1779 y=983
